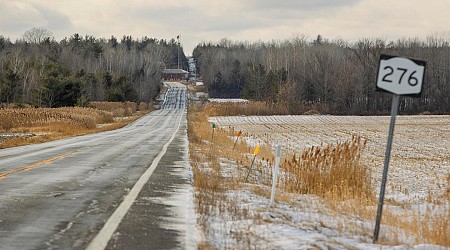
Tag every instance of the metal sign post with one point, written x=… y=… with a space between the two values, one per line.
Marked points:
x=213 y=128
x=237 y=137
x=394 y=110
x=400 y=76
x=255 y=153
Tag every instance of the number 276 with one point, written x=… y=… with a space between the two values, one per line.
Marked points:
x=412 y=80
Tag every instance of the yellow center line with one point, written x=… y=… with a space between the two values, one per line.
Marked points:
x=49 y=160
x=37 y=164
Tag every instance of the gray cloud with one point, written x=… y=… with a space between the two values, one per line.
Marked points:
x=206 y=20
x=163 y=14
x=17 y=17
x=310 y=5
x=55 y=21
x=235 y=16
x=190 y=19
x=13 y=18
x=287 y=10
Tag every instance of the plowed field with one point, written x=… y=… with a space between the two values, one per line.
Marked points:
x=420 y=161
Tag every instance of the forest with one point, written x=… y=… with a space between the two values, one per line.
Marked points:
x=338 y=77
x=39 y=71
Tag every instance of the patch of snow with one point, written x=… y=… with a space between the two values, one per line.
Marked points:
x=219 y=100
x=201 y=94
x=181 y=203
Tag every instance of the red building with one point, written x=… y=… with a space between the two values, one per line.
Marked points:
x=174 y=74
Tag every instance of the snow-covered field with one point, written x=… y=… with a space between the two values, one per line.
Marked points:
x=420 y=158
x=419 y=168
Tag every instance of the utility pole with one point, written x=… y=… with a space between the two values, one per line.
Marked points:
x=195 y=70
x=178 y=38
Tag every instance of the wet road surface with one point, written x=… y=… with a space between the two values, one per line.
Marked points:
x=61 y=194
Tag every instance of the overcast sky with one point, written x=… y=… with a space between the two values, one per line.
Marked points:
x=211 y=20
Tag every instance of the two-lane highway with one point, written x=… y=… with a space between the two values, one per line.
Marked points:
x=79 y=192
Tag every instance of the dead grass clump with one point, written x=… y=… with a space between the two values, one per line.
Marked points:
x=121 y=109
x=426 y=223
x=52 y=123
x=41 y=117
x=5 y=105
x=207 y=181
x=118 y=109
x=312 y=112
x=332 y=171
x=194 y=120
x=447 y=192
x=263 y=108
x=434 y=225
x=199 y=88
x=145 y=106
x=132 y=106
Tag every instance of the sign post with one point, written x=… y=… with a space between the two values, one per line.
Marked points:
x=213 y=128
x=394 y=109
x=400 y=76
x=275 y=175
x=237 y=137
x=255 y=153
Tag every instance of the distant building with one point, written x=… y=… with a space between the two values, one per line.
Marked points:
x=174 y=74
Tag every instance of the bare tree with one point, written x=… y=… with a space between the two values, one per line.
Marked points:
x=336 y=75
x=37 y=35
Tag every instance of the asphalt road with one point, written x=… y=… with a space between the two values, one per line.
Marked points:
x=124 y=189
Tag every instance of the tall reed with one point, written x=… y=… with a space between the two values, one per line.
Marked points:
x=332 y=171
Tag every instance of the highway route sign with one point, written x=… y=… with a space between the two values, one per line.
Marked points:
x=400 y=75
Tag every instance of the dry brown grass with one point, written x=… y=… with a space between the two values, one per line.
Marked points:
x=332 y=172
x=212 y=179
x=54 y=123
x=4 y=105
x=122 y=109
x=264 y=108
x=434 y=226
x=209 y=183
x=425 y=223
x=194 y=89
x=447 y=192
x=30 y=117
x=429 y=225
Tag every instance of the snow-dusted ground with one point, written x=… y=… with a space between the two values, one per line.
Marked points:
x=219 y=100
x=420 y=158
x=419 y=169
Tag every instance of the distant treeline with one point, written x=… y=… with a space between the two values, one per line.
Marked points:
x=40 y=71
x=337 y=76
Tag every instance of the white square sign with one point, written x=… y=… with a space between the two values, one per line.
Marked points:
x=400 y=76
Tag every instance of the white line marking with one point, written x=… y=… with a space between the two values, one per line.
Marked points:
x=101 y=240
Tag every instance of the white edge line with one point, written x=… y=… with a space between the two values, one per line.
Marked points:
x=101 y=240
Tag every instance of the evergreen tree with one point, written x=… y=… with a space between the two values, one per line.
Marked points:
x=10 y=87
